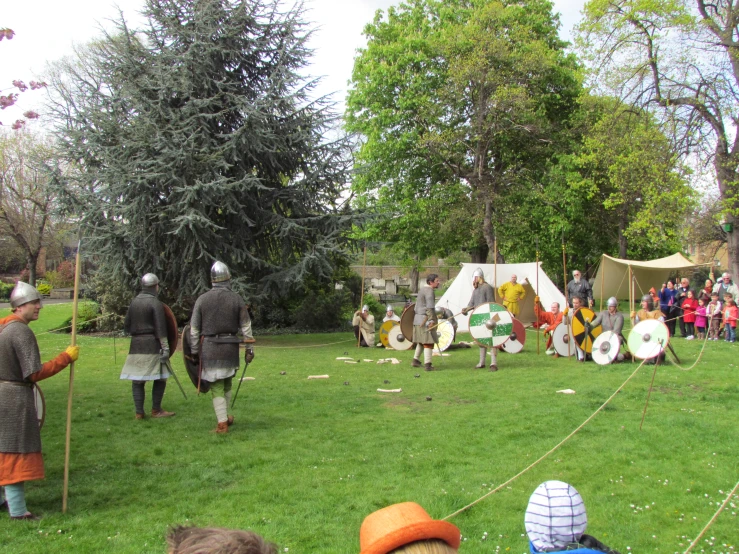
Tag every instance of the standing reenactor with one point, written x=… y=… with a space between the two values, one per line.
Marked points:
x=482 y=293
x=580 y=287
x=423 y=320
x=148 y=355
x=20 y=368
x=218 y=316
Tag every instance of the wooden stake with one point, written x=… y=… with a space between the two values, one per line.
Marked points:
x=361 y=297
x=567 y=300
x=537 y=295
x=71 y=380
x=602 y=277
x=495 y=268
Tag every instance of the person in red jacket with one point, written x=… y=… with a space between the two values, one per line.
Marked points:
x=731 y=314
x=547 y=322
x=689 y=305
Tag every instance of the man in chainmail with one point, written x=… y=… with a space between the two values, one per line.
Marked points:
x=20 y=368
x=148 y=355
x=217 y=318
x=482 y=293
x=610 y=320
x=424 y=318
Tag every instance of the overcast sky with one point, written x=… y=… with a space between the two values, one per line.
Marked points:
x=47 y=29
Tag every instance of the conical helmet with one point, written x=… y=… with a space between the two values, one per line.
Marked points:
x=650 y=301
x=22 y=294
x=219 y=272
x=477 y=273
x=612 y=301
x=149 y=280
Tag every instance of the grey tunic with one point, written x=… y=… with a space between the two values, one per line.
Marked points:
x=147 y=325
x=609 y=322
x=581 y=289
x=483 y=294
x=424 y=313
x=19 y=359
x=217 y=317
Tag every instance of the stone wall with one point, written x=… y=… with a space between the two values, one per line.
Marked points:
x=389 y=278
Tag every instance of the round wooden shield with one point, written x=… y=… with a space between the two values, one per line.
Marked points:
x=648 y=339
x=406 y=321
x=385 y=329
x=38 y=400
x=561 y=340
x=515 y=342
x=172 y=335
x=445 y=333
x=490 y=325
x=606 y=347
x=397 y=341
x=584 y=339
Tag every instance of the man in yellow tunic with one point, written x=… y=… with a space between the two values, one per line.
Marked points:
x=511 y=293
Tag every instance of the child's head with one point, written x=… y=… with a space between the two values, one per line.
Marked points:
x=196 y=540
x=728 y=297
x=730 y=301
x=714 y=296
x=555 y=516
x=690 y=294
x=701 y=302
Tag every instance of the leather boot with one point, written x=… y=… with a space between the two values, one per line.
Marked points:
x=230 y=420
x=429 y=367
x=140 y=416
x=161 y=413
x=222 y=427
x=415 y=363
x=493 y=367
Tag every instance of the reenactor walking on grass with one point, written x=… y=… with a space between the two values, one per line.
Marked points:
x=217 y=318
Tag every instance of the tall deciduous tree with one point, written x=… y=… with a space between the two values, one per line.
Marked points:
x=679 y=58
x=461 y=101
x=28 y=172
x=197 y=141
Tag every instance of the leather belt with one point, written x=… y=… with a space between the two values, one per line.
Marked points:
x=16 y=383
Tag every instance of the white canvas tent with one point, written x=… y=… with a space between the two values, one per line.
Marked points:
x=614 y=274
x=459 y=292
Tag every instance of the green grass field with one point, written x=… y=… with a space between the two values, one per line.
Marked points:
x=308 y=459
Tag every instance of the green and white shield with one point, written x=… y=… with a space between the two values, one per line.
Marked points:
x=490 y=324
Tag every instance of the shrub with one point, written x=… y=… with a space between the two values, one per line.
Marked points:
x=87 y=322
x=44 y=289
x=322 y=310
x=5 y=290
x=62 y=277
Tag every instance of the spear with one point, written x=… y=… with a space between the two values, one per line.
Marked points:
x=567 y=301
x=361 y=299
x=537 y=294
x=71 y=379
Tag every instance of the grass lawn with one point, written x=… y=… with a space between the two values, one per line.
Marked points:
x=308 y=459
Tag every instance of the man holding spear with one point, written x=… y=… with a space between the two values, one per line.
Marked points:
x=20 y=368
x=217 y=318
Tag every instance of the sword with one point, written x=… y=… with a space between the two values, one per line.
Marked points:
x=171 y=371
x=243 y=373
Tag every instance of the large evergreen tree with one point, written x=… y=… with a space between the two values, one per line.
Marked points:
x=196 y=140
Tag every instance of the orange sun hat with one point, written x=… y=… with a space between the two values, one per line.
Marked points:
x=400 y=524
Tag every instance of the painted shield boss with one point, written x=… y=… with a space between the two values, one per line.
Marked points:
x=606 y=347
x=648 y=339
x=490 y=325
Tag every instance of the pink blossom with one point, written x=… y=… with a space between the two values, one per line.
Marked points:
x=19 y=123
x=8 y=100
x=20 y=85
x=37 y=84
x=30 y=114
x=6 y=33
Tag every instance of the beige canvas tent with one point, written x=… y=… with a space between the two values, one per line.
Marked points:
x=614 y=275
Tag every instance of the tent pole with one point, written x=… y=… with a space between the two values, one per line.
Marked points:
x=361 y=296
x=567 y=300
x=602 y=274
x=631 y=301
x=537 y=295
x=495 y=268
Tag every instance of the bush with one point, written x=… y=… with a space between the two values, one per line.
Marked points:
x=44 y=289
x=62 y=277
x=322 y=311
x=87 y=322
x=5 y=290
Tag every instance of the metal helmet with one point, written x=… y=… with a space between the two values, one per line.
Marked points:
x=22 y=294
x=439 y=311
x=389 y=308
x=365 y=308
x=219 y=272
x=149 y=280
x=612 y=301
x=477 y=273
x=648 y=298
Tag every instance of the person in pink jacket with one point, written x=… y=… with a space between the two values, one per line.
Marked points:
x=688 y=307
x=701 y=319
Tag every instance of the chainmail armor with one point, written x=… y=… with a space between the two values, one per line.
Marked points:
x=147 y=324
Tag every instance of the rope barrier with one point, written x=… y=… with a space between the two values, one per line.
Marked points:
x=713 y=519
x=307 y=346
x=554 y=449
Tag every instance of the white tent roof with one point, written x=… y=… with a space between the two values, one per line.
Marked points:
x=612 y=277
x=459 y=292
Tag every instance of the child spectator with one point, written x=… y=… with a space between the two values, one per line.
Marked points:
x=689 y=305
x=407 y=528
x=701 y=319
x=197 y=540
x=713 y=312
x=556 y=520
x=731 y=314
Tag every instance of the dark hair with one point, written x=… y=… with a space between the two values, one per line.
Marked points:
x=580 y=298
x=430 y=277
x=215 y=540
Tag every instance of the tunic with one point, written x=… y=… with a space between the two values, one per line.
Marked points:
x=609 y=322
x=147 y=325
x=483 y=294
x=641 y=315
x=581 y=289
x=394 y=317
x=550 y=319
x=511 y=294
x=217 y=317
x=424 y=313
x=20 y=437
x=366 y=327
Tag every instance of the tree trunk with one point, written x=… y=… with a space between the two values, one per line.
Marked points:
x=414 y=280
x=32 y=261
x=479 y=254
x=732 y=246
x=622 y=242
x=488 y=230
